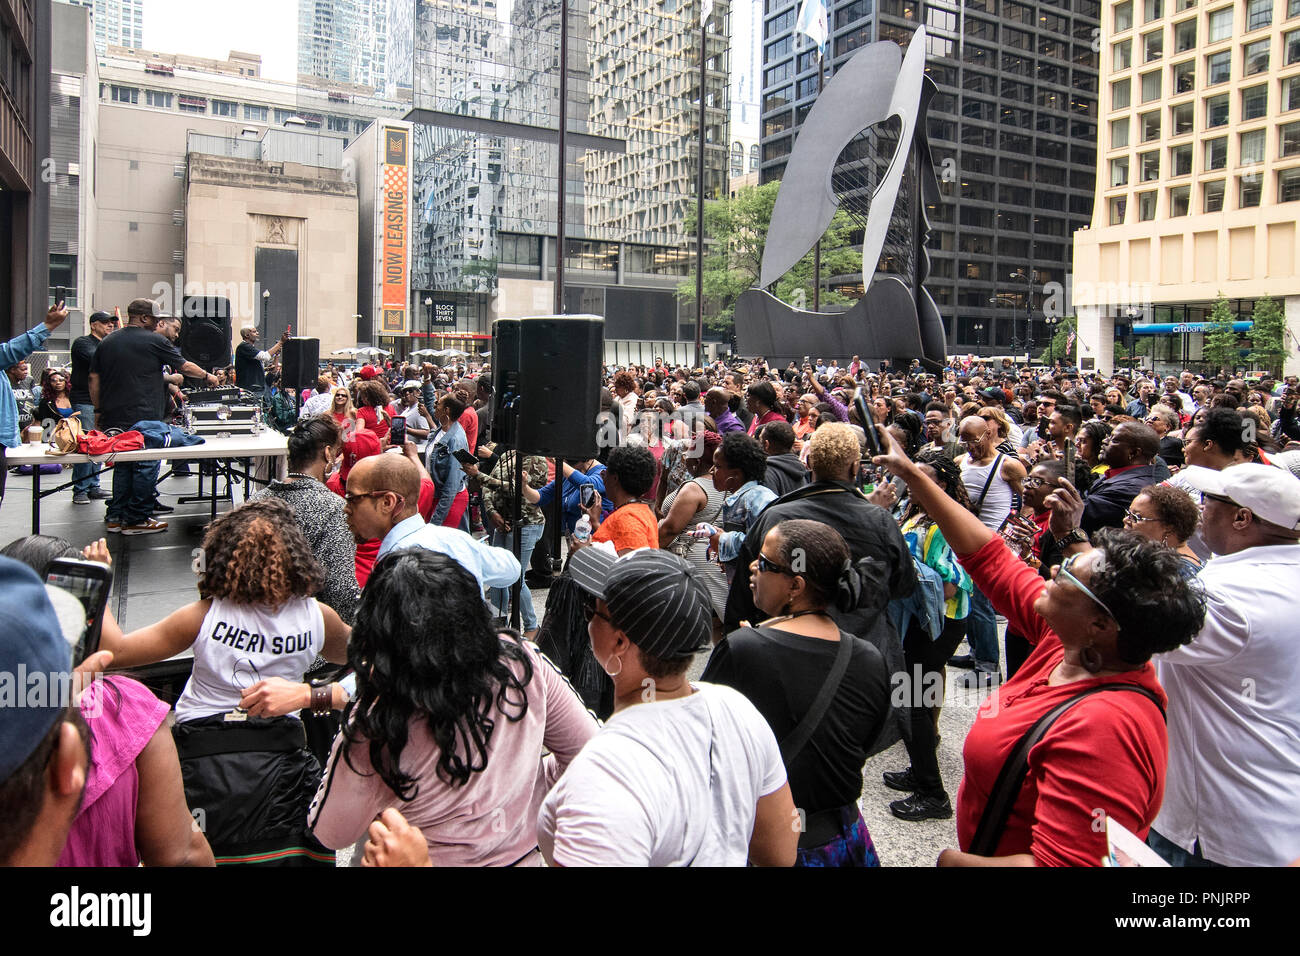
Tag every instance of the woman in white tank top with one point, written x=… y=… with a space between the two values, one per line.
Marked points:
x=255 y=619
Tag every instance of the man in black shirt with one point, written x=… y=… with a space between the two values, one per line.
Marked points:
x=85 y=478
x=250 y=361
x=126 y=385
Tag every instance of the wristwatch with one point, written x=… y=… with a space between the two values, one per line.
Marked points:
x=1075 y=536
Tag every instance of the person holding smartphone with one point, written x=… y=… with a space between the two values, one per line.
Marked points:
x=444 y=467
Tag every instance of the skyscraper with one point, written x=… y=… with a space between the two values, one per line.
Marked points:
x=1013 y=131
x=115 y=22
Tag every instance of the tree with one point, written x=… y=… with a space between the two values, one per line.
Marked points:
x=1221 y=348
x=735 y=232
x=1059 y=348
x=1268 y=336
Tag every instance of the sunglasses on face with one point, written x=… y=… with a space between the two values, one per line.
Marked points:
x=1131 y=515
x=590 y=611
x=771 y=566
x=1064 y=572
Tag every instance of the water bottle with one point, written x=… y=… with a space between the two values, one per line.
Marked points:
x=582 y=530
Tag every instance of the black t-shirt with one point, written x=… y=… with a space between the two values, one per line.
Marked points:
x=249 y=372
x=83 y=350
x=129 y=363
x=781 y=673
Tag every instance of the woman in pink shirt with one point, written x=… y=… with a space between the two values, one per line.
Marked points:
x=461 y=728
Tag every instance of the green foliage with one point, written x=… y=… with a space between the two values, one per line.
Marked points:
x=735 y=231
x=1060 y=335
x=1221 y=348
x=1268 y=336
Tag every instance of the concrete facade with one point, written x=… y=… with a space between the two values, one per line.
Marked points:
x=235 y=206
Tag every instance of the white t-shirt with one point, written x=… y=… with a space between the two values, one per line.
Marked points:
x=669 y=783
x=240 y=644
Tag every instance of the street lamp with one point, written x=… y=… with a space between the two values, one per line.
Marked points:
x=1051 y=320
x=1131 y=314
x=978 y=327
x=428 y=311
x=1015 y=340
x=266 y=304
x=1029 y=313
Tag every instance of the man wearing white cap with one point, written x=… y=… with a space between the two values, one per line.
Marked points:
x=418 y=419
x=1232 y=795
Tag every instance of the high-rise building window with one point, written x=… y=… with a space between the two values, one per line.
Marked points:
x=1216 y=153
x=1288 y=184
x=1254 y=102
x=125 y=94
x=1212 y=195
x=1180 y=160
x=1119 y=133
x=1146 y=206
x=1185 y=35
x=1117 y=207
x=1153 y=45
x=1250 y=189
x=257 y=114
x=1254 y=57
x=158 y=99
x=1292 y=8
x=1259 y=14
x=1119 y=94
x=1290 y=94
x=1152 y=10
x=1181 y=119
x=1119 y=171
x=1218 y=68
x=1151 y=86
x=1150 y=125
x=1123 y=16
x=1122 y=55
x=1252 y=148
x=1150 y=166
x=1289 y=144
x=1216 y=111
x=1184 y=76
x=1180 y=198
x=1291 y=47
x=224 y=108
x=1220 y=24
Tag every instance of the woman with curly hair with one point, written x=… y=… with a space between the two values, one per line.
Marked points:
x=255 y=619
x=463 y=727
x=372 y=407
x=1168 y=516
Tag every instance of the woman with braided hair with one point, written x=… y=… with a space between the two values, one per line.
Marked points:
x=255 y=619
x=926 y=654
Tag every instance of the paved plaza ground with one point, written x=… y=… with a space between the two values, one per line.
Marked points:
x=153 y=577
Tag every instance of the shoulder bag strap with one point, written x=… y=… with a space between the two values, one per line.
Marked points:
x=800 y=736
x=1006 y=791
x=997 y=466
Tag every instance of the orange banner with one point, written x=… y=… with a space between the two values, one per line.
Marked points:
x=395 y=245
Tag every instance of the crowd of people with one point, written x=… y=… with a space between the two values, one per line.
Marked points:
x=1116 y=552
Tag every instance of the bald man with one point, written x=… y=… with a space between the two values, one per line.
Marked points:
x=382 y=494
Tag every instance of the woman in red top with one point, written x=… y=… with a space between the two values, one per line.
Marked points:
x=372 y=397
x=1097 y=622
x=761 y=400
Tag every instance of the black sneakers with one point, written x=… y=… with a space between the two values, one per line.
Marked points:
x=918 y=807
x=901 y=780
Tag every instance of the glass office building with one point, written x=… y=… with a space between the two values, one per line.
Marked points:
x=484 y=76
x=1013 y=131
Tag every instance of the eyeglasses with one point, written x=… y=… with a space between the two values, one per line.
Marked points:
x=590 y=611
x=350 y=498
x=1064 y=572
x=1130 y=515
x=766 y=565
x=1033 y=481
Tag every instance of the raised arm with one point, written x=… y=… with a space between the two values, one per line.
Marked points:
x=157 y=642
x=961 y=529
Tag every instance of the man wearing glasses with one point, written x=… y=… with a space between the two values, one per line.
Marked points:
x=383 y=492
x=85 y=478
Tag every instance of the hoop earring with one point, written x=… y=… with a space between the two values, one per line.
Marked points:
x=1091 y=660
x=613 y=674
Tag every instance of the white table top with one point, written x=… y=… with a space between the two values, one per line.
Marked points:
x=268 y=444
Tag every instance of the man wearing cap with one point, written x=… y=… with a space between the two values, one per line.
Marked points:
x=126 y=386
x=251 y=362
x=43 y=758
x=418 y=419
x=1233 y=790
x=682 y=774
x=85 y=478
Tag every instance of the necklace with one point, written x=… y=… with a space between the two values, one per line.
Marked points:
x=791 y=617
x=297 y=474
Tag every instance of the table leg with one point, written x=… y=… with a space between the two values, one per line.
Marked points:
x=216 y=472
x=36 y=499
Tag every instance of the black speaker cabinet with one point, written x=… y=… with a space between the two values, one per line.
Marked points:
x=300 y=363
x=205 y=331
x=559 y=384
x=505 y=379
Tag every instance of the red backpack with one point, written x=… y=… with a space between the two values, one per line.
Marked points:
x=97 y=443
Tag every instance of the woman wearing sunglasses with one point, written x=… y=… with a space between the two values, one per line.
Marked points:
x=1094 y=627
x=787 y=663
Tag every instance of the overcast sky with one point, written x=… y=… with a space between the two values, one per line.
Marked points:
x=212 y=28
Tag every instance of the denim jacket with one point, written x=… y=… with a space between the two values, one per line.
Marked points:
x=447 y=474
x=739 y=512
x=11 y=353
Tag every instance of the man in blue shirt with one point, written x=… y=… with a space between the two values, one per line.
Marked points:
x=11 y=353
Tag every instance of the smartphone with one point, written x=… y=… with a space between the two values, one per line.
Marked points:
x=1069 y=460
x=60 y=294
x=89 y=582
x=868 y=426
x=397 y=432
x=465 y=457
x=587 y=495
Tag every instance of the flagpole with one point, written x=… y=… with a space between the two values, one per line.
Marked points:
x=817 y=249
x=705 y=10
